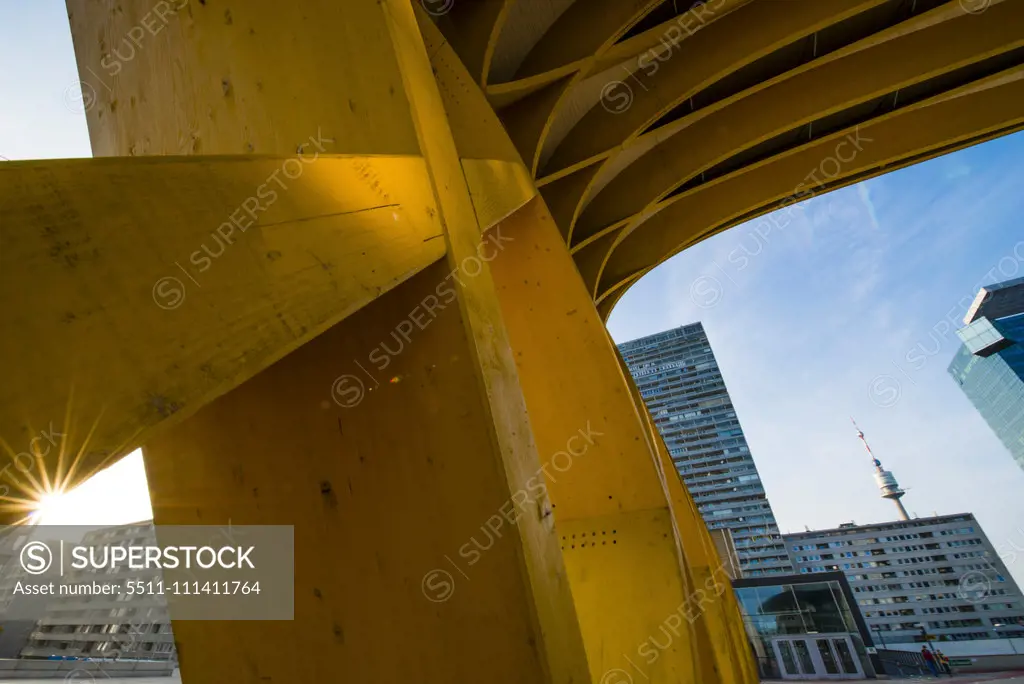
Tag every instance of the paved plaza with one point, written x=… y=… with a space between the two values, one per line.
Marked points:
x=97 y=678
x=998 y=677
x=995 y=677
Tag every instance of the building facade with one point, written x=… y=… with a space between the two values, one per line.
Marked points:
x=997 y=301
x=726 y=548
x=14 y=634
x=682 y=386
x=805 y=627
x=117 y=626
x=989 y=365
x=935 y=576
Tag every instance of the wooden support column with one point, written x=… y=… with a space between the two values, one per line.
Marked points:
x=425 y=446
x=389 y=494
x=375 y=441
x=638 y=575
x=716 y=612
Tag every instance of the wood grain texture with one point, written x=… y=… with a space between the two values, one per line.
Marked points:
x=131 y=309
x=239 y=77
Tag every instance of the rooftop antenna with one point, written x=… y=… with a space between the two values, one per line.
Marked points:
x=885 y=480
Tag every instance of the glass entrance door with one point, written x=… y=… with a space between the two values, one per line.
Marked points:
x=814 y=657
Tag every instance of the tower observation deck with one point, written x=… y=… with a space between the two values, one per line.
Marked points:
x=886 y=481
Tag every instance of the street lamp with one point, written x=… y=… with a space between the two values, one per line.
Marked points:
x=881 y=639
x=924 y=633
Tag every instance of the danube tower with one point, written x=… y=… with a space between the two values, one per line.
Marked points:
x=885 y=480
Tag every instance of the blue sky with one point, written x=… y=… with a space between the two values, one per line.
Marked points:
x=42 y=116
x=843 y=313
x=838 y=314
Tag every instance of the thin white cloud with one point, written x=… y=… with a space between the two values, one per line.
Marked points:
x=838 y=298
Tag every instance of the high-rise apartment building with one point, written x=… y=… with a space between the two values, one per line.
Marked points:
x=989 y=365
x=107 y=625
x=938 y=576
x=682 y=385
x=14 y=634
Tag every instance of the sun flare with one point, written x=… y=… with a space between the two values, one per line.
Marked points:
x=115 y=496
x=50 y=506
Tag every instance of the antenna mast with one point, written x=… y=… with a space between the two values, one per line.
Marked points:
x=886 y=481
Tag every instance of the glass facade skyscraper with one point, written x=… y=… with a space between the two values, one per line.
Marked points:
x=989 y=367
x=679 y=379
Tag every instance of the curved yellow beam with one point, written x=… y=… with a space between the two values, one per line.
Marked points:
x=498 y=181
x=473 y=122
x=706 y=57
x=977 y=112
x=563 y=197
x=591 y=258
x=607 y=304
x=529 y=120
x=492 y=40
x=505 y=93
x=694 y=50
x=141 y=289
x=613 y=160
x=583 y=30
x=814 y=95
x=472 y=28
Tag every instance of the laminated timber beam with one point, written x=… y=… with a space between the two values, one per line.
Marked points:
x=472 y=28
x=801 y=101
x=701 y=50
x=978 y=112
x=141 y=289
x=630 y=565
x=410 y=340
x=476 y=413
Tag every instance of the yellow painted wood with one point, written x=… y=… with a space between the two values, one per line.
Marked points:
x=527 y=120
x=497 y=188
x=532 y=108
x=717 y=622
x=591 y=257
x=837 y=85
x=237 y=77
x=141 y=289
x=631 y=142
x=472 y=121
x=386 y=493
x=915 y=23
x=237 y=397
x=498 y=181
x=543 y=304
x=563 y=198
x=612 y=297
x=901 y=138
x=625 y=576
x=472 y=29
x=633 y=47
x=608 y=499
x=701 y=48
x=583 y=30
x=502 y=94
x=559 y=644
x=525 y=25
